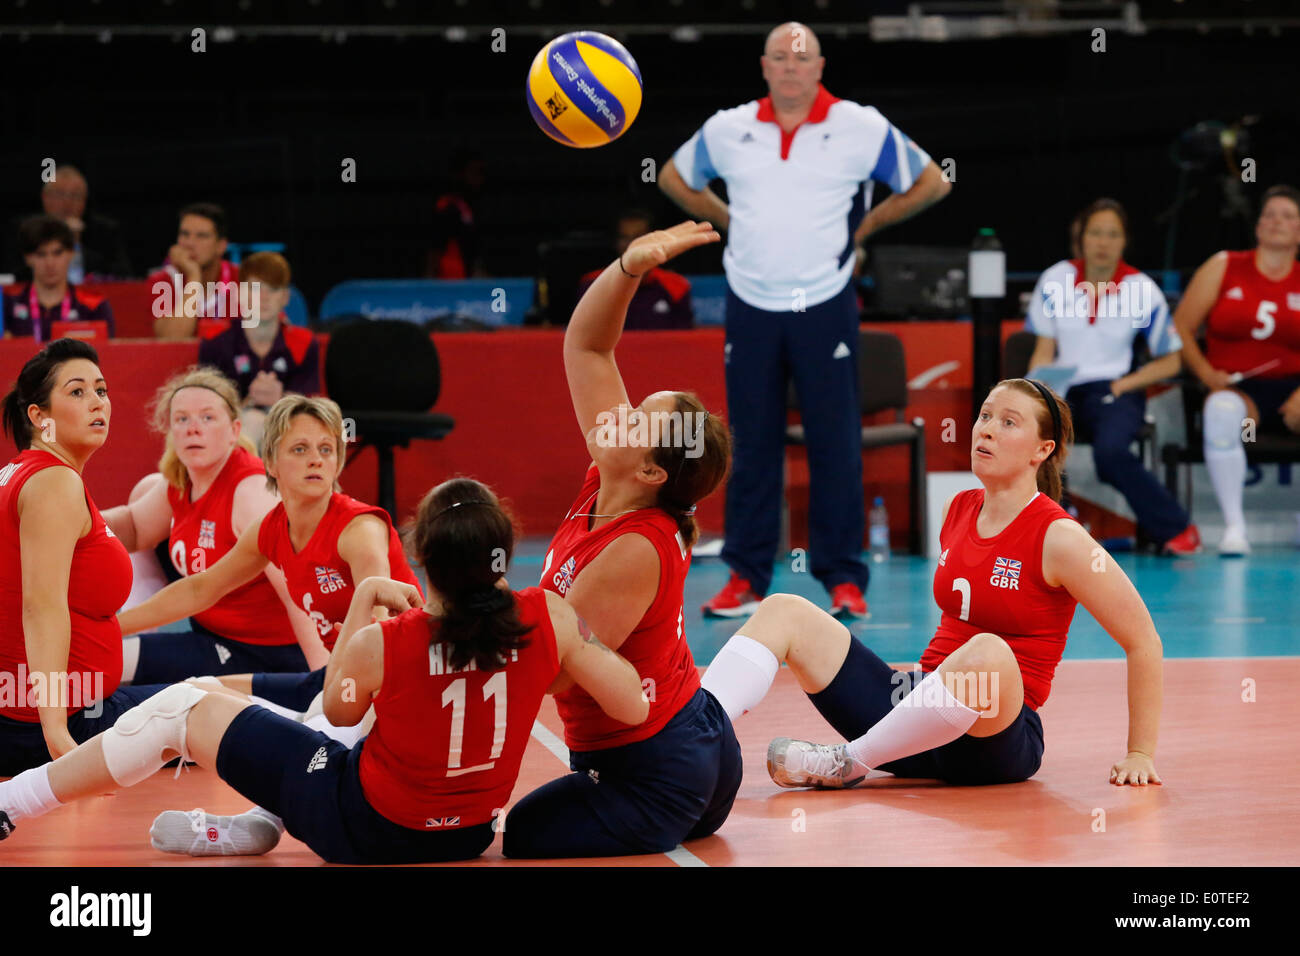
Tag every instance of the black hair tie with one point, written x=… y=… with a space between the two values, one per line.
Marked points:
x=1056 y=414
x=487 y=600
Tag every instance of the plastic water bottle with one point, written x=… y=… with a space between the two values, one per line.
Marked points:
x=878 y=535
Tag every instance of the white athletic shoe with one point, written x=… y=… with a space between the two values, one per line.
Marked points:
x=797 y=763
x=1234 y=543
x=197 y=833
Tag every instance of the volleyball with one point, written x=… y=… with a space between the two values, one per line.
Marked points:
x=584 y=89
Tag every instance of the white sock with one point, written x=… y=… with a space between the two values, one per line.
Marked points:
x=263 y=812
x=347 y=736
x=741 y=675
x=926 y=718
x=1225 y=458
x=28 y=794
x=293 y=715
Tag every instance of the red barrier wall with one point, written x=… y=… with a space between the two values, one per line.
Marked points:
x=514 y=424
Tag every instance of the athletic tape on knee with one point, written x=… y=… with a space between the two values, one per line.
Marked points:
x=1221 y=422
x=134 y=746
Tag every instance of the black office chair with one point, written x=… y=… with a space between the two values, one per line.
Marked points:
x=882 y=383
x=384 y=373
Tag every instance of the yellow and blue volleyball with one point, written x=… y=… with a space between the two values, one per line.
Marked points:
x=584 y=89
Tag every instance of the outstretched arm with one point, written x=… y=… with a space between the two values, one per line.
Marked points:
x=1073 y=559
x=597 y=323
x=198 y=592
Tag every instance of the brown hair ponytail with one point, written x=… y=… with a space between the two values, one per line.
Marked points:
x=696 y=459
x=464 y=539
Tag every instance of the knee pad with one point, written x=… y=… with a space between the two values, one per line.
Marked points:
x=134 y=746
x=1221 y=421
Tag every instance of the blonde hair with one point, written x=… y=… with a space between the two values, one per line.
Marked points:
x=281 y=416
x=196 y=376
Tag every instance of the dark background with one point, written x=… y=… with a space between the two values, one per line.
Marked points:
x=261 y=123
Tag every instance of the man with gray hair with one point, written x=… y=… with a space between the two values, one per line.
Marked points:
x=799 y=165
x=98 y=250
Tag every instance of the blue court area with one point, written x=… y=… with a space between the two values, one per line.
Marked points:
x=1203 y=606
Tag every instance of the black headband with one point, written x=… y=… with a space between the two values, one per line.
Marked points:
x=1051 y=407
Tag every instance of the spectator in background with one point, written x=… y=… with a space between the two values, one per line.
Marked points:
x=456 y=253
x=98 y=251
x=197 y=256
x=47 y=245
x=1086 y=313
x=267 y=357
x=663 y=299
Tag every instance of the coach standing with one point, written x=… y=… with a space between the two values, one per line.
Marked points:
x=799 y=166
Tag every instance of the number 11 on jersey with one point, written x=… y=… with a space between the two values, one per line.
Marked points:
x=495 y=687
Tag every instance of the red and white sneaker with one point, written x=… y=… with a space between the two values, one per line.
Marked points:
x=847 y=601
x=736 y=599
x=1187 y=541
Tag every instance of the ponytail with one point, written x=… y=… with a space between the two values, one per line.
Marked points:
x=695 y=451
x=464 y=539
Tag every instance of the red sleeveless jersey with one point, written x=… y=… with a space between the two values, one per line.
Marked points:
x=99 y=583
x=996 y=584
x=446 y=745
x=656 y=647
x=202 y=534
x=1255 y=320
x=319 y=580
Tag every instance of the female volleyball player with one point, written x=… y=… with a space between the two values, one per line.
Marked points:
x=620 y=560
x=1251 y=363
x=63 y=574
x=1012 y=569
x=319 y=538
x=456 y=689
x=1086 y=313
x=211 y=487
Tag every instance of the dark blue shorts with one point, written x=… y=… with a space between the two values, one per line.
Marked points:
x=171 y=656
x=313 y=783
x=863 y=692
x=645 y=797
x=22 y=744
x=1269 y=394
x=295 y=691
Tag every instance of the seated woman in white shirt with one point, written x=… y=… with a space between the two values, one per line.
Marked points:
x=1086 y=313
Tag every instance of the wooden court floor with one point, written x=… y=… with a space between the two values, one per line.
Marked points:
x=1230 y=795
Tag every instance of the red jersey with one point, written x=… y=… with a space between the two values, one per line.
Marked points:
x=319 y=580
x=996 y=584
x=1255 y=320
x=446 y=745
x=200 y=537
x=656 y=647
x=99 y=583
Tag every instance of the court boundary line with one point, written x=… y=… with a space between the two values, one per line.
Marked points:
x=542 y=734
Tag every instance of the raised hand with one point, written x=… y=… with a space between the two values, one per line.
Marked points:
x=656 y=248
